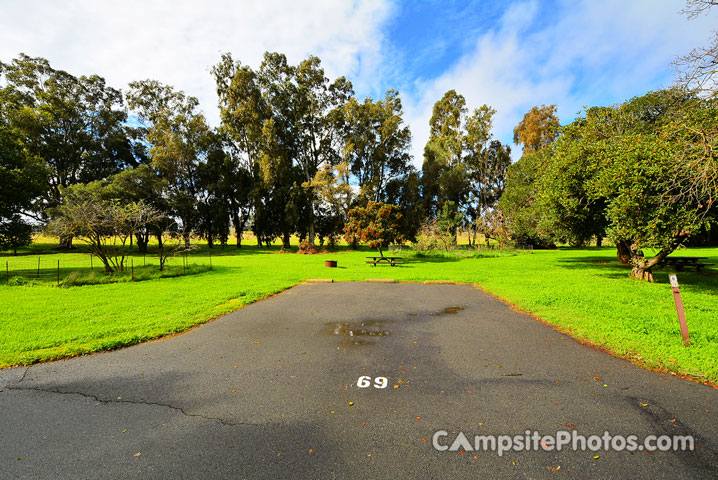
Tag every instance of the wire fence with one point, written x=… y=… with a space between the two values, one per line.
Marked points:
x=55 y=269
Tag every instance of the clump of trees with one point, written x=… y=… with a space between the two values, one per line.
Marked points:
x=297 y=153
x=464 y=169
x=642 y=173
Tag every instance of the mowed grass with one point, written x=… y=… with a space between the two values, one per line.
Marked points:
x=585 y=293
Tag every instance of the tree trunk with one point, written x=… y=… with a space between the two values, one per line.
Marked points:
x=624 y=252
x=285 y=240
x=641 y=274
x=599 y=240
x=641 y=266
x=186 y=236
x=312 y=233
x=159 y=240
x=238 y=228
x=142 y=240
x=66 y=243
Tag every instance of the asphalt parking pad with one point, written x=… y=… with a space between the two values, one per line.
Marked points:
x=349 y=380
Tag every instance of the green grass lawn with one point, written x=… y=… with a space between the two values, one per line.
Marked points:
x=583 y=292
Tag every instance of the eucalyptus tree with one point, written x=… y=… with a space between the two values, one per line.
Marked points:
x=538 y=128
x=317 y=105
x=283 y=121
x=376 y=144
x=243 y=112
x=179 y=139
x=22 y=180
x=463 y=170
x=445 y=173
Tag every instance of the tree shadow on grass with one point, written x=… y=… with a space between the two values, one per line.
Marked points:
x=428 y=258
x=705 y=281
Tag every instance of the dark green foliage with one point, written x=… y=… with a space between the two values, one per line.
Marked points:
x=14 y=233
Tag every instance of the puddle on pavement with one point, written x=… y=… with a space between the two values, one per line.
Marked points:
x=356 y=333
x=453 y=309
x=450 y=310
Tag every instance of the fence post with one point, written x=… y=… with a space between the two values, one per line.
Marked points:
x=58 y=273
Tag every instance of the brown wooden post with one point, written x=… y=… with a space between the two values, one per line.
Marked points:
x=679 y=309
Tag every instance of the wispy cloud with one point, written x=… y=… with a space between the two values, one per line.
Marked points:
x=509 y=55
x=177 y=41
x=582 y=53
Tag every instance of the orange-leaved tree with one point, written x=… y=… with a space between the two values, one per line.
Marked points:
x=377 y=225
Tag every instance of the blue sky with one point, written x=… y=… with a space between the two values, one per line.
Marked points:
x=508 y=54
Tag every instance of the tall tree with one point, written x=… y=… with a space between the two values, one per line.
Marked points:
x=75 y=125
x=179 y=140
x=462 y=167
x=376 y=144
x=22 y=180
x=316 y=111
x=445 y=172
x=243 y=112
x=538 y=129
x=283 y=119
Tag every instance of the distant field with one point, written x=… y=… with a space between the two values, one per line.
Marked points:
x=583 y=292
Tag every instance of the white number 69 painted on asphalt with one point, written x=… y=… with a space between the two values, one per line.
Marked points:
x=365 y=381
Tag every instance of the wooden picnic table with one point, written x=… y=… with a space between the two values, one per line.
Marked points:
x=393 y=261
x=681 y=262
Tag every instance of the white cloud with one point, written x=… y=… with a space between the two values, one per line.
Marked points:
x=177 y=42
x=581 y=53
x=584 y=53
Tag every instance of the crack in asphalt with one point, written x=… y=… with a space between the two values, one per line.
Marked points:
x=135 y=402
x=24 y=374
